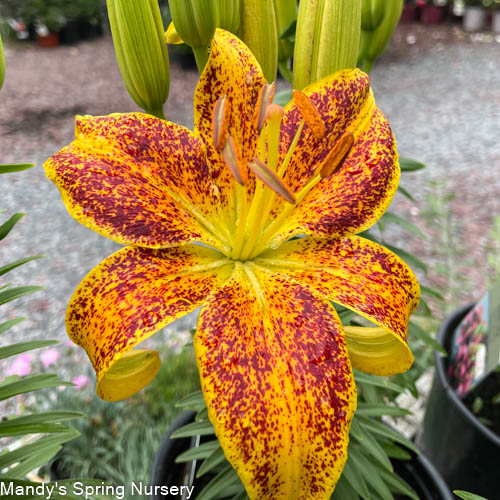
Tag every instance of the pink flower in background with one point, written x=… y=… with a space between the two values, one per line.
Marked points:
x=21 y=366
x=49 y=357
x=81 y=381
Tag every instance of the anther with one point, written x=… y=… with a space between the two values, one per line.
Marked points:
x=233 y=159
x=310 y=114
x=337 y=156
x=265 y=99
x=220 y=123
x=270 y=179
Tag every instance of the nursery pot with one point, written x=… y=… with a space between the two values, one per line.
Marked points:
x=409 y=13
x=466 y=453
x=418 y=472
x=50 y=40
x=474 y=19
x=432 y=14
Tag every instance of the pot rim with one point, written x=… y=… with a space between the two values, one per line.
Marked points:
x=444 y=338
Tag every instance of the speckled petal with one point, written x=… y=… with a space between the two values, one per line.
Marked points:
x=357 y=273
x=278 y=384
x=231 y=71
x=134 y=178
x=131 y=295
x=360 y=191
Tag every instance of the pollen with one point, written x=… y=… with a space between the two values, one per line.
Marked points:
x=220 y=123
x=265 y=99
x=310 y=114
x=337 y=156
x=271 y=180
x=234 y=160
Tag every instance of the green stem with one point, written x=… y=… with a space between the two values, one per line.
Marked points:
x=285 y=71
x=201 y=57
x=158 y=113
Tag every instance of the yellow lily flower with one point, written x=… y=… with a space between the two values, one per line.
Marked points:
x=271 y=351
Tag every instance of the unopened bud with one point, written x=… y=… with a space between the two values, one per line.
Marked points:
x=194 y=21
x=141 y=51
x=2 y=64
x=228 y=15
x=327 y=39
x=260 y=33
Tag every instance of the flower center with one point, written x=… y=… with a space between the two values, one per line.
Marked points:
x=254 y=230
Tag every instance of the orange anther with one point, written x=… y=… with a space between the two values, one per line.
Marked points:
x=337 y=156
x=234 y=160
x=309 y=113
x=265 y=98
x=220 y=123
x=270 y=179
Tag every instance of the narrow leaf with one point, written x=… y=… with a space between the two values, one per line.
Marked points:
x=467 y=496
x=9 y=324
x=409 y=165
x=193 y=401
x=202 y=428
x=425 y=337
x=410 y=259
x=6 y=227
x=376 y=381
x=7 y=169
x=406 y=194
x=12 y=350
x=404 y=223
x=216 y=458
x=17 y=292
x=356 y=480
x=200 y=452
x=17 y=263
x=370 y=445
x=431 y=292
x=34 y=461
x=376 y=410
x=28 y=384
x=219 y=484
x=397 y=484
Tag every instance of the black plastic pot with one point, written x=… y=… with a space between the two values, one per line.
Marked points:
x=466 y=453
x=418 y=472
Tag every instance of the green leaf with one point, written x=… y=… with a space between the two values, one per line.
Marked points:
x=216 y=458
x=6 y=227
x=344 y=491
x=389 y=217
x=200 y=452
x=12 y=350
x=193 y=401
x=219 y=484
x=203 y=428
x=425 y=337
x=17 y=263
x=370 y=445
x=47 y=422
x=377 y=381
x=26 y=451
x=395 y=451
x=17 y=292
x=385 y=431
x=202 y=415
x=410 y=259
x=406 y=194
x=379 y=410
x=409 y=165
x=355 y=479
x=289 y=31
x=34 y=461
x=7 y=169
x=397 y=485
x=9 y=324
x=431 y=292
x=28 y=384
x=467 y=496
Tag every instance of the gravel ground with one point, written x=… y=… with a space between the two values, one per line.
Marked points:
x=439 y=88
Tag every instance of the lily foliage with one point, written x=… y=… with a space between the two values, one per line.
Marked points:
x=252 y=217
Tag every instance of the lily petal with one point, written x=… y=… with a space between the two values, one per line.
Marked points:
x=127 y=298
x=356 y=273
x=231 y=71
x=277 y=382
x=360 y=191
x=137 y=180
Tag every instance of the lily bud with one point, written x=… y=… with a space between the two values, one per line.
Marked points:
x=327 y=39
x=228 y=15
x=194 y=21
x=2 y=64
x=141 y=51
x=260 y=34
x=286 y=13
x=379 y=18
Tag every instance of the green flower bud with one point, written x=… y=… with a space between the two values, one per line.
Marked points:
x=228 y=15
x=286 y=13
x=194 y=20
x=375 y=40
x=327 y=39
x=2 y=64
x=141 y=51
x=260 y=34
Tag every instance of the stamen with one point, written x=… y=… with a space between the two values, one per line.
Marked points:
x=337 y=156
x=270 y=179
x=274 y=111
x=309 y=113
x=234 y=160
x=265 y=99
x=220 y=123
